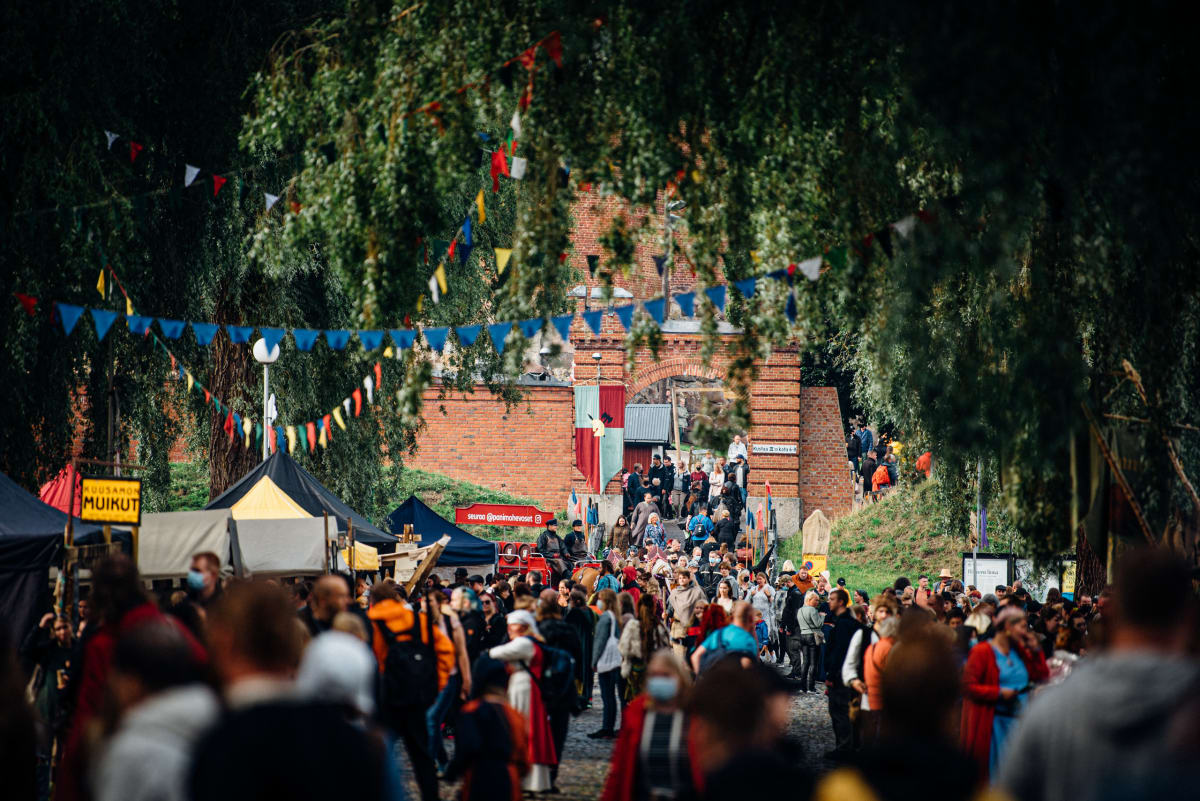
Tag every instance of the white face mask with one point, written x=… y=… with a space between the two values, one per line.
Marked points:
x=601 y=605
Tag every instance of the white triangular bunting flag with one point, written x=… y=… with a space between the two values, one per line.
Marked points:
x=346 y=405
x=433 y=289
x=515 y=123
x=905 y=227
x=517 y=169
x=369 y=383
x=189 y=174
x=111 y=137
x=271 y=200
x=811 y=268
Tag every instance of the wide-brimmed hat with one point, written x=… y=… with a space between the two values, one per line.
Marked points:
x=946 y=574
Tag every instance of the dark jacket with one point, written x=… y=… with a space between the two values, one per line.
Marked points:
x=576 y=544
x=633 y=491
x=495 y=632
x=868 y=469
x=619 y=538
x=551 y=546
x=726 y=531
x=791 y=607
x=853 y=449
x=313 y=625
x=563 y=636
x=837 y=642
x=473 y=627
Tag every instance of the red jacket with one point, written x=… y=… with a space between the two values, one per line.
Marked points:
x=623 y=767
x=981 y=691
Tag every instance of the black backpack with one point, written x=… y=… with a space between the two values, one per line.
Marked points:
x=558 y=678
x=410 y=673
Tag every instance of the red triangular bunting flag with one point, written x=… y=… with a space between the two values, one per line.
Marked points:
x=271 y=431
x=328 y=429
x=29 y=303
x=553 y=45
x=357 y=395
x=134 y=150
x=218 y=182
x=499 y=167
x=172 y=355
x=207 y=397
x=453 y=247
x=311 y=428
x=528 y=58
x=526 y=97
x=296 y=207
x=378 y=377
x=229 y=425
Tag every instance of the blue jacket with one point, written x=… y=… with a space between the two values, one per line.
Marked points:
x=700 y=527
x=867 y=439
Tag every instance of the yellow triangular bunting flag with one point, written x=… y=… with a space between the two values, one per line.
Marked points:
x=128 y=307
x=323 y=439
x=420 y=304
x=246 y=428
x=191 y=381
x=755 y=257
x=291 y=435
x=502 y=257
x=100 y=283
x=440 y=272
x=387 y=352
x=479 y=207
x=337 y=415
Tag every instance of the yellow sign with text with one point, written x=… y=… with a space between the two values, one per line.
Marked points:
x=815 y=563
x=111 y=501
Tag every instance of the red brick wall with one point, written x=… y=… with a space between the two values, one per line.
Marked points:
x=527 y=451
x=824 y=475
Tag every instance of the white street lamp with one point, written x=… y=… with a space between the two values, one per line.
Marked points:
x=266 y=359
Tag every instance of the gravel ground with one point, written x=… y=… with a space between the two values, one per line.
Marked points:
x=585 y=763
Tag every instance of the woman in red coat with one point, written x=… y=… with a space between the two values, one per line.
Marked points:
x=655 y=755
x=996 y=680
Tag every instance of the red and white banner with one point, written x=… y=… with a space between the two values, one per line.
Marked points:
x=500 y=514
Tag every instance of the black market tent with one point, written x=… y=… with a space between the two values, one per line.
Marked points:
x=31 y=538
x=300 y=486
x=464 y=549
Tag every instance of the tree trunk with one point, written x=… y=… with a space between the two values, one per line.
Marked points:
x=232 y=374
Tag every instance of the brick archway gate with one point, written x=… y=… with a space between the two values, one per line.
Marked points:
x=777 y=438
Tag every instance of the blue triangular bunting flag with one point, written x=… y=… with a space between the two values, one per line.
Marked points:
x=467 y=334
x=281 y=442
x=436 y=337
x=594 y=320
x=656 y=309
x=529 y=328
x=204 y=332
x=172 y=329
x=687 y=303
x=370 y=339
x=716 y=296
x=498 y=333
x=466 y=229
x=464 y=254
x=791 y=307
x=746 y=287
x=138 y=324
x=237 y=425
x=625 y=315
x=563 y=324
x=403 y=337
x=337 y=338
x=659 y=261
x=103 y=318
x=305 y=337
x=238 y=334
x=272 y=336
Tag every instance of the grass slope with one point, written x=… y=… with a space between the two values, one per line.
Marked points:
x=895 y=537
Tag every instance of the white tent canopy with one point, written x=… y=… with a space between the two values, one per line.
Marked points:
x=167 y=540
x=283 y=547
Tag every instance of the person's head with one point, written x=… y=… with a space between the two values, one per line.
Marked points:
x=802 y=573
x=884 y=606
x=606 y=600
x=564 y=586
x=624 y=603
x=533 y=577
x=900 y=584
x=62 y=630
x=737 y=710
x=812 y=598
x=521 y=623
x=923 y=581
x=339 y=669
x=760 y=579
x=252 y=631
x=737 y=439
x=1001 y=590
x=1011 y=623
x=149 y=659
x=1163 y=618
x=654 y=519
x=742 y=615
x=921 y=686
x=860 y=597
x=683 y=578
x=667 y=680
x=621 y=521
x=547 y=606
x=552 y=525
x=839 y=599
x=488 y=604
x=955 y=617
x=637 y=467
x=714 y=558
x=350 y=623
x=578 y=599
x=503 y=589
x=116 y=589
x=577 y=526
x=724 y=590
x=330 y=595
x=205 y=574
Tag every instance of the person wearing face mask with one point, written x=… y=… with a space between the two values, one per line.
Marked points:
x=655 y=756
x=709 y=575
x=204 y=579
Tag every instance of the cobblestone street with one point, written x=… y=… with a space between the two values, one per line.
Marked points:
x=585 y=763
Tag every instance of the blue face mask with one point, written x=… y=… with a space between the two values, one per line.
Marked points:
x=662 y=688
x=195 y=580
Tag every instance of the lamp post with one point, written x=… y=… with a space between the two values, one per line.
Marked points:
x=266 y=359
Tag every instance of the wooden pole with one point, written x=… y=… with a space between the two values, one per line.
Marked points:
x=328 y=555
x=426 y=566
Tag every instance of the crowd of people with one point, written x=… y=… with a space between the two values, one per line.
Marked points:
x=255 y=689
x=703 y=485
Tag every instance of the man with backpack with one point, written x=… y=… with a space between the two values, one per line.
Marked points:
x=413 y=669
x=561 y=701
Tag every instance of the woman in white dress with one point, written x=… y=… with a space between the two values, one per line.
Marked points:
x=761 y=596
x=523 y=654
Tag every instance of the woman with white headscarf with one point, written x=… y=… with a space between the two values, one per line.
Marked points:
x=523 y=655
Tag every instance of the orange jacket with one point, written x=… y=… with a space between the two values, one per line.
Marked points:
x=874 y=661
x=880 y=478
x=399 y=618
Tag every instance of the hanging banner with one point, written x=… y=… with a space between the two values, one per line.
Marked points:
x=500 y=514
x=111 y=500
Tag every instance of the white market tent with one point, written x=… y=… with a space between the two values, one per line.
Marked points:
x=282 y=547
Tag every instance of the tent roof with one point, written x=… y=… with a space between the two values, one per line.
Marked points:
x=266 y=501
x=464 y=549
x=308 y=493
x=57 y=491
x=167 y=541
x=27 y=527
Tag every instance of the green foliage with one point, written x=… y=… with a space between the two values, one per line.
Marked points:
x=189 y=487
x=444 y=495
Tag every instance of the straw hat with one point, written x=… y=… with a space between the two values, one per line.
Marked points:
x=945 y=574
